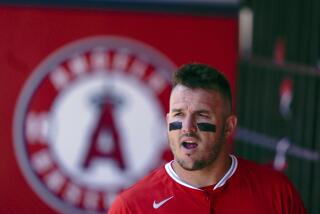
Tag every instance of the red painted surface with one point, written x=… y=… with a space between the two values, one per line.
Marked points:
x=29 y=35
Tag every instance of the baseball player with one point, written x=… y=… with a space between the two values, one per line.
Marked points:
x=204 y=177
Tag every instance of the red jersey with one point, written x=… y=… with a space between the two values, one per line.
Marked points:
x=246 y=188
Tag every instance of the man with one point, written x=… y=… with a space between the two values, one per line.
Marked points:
x=204 y=177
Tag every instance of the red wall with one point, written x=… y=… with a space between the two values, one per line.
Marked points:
x=29 y=35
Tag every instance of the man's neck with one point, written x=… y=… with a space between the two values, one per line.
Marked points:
x=210 y=175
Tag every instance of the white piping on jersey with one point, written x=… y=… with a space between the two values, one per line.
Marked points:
x=229 y=173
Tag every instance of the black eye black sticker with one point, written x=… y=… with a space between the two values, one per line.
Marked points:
x=205 y=127
x=175 y=126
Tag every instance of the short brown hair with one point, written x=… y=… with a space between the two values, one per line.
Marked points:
x=196 y=75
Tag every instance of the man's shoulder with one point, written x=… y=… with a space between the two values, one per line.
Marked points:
x=271 y=185
x=261 y=173
x=141 y=193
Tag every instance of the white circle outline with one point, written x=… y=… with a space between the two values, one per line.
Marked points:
x=155 y=57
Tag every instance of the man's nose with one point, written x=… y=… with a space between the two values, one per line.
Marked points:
x=189 y=125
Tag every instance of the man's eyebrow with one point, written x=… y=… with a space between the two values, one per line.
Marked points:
x=176 y=110
x=203 y=111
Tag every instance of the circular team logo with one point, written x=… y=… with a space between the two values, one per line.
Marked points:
x=90 y=121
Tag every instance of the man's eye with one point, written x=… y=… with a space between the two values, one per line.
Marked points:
x=204 y=115
x=177 y=114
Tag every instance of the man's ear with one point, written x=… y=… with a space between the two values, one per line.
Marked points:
x=230 y=125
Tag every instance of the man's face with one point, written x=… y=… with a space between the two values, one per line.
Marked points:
x=193 y=148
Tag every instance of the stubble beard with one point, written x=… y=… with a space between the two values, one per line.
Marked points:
x=204 y=162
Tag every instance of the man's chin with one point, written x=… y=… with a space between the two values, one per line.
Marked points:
x=192 y=166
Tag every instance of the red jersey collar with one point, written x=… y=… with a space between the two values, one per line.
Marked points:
x=223 y=180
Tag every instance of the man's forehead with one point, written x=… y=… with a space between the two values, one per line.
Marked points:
x=182 y=94
x=201 y=105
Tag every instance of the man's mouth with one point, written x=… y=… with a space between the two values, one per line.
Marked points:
x=189 y=145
